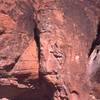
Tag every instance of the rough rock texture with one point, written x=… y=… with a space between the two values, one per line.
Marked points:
x=28 y=62
x=18 y=51
x=49 y=49
x=67 y=30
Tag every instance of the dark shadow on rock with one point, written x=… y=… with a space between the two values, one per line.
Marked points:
x=41 y=89
x=96 y=41
x=37 y=40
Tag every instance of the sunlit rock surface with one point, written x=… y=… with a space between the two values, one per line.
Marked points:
x=49 y=49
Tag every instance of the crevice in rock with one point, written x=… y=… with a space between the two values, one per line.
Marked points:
x=28 y=22
x=94 y=64
x=37 y=39
x=96 y=41
x=94 y=55
x=46 y=85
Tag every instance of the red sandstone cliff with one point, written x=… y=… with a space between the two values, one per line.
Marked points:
x=49 y=49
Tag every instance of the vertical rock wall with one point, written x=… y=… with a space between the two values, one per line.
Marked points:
x=49 y=49
x=67 y=29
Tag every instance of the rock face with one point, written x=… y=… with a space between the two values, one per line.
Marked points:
x=18 y=51
x=67 y=30
x=49 y=49
x=28 y=62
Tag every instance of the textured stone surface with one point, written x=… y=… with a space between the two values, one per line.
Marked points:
x=18 y=50
x=67 y=29
x=28 y=62
x=48 y=49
